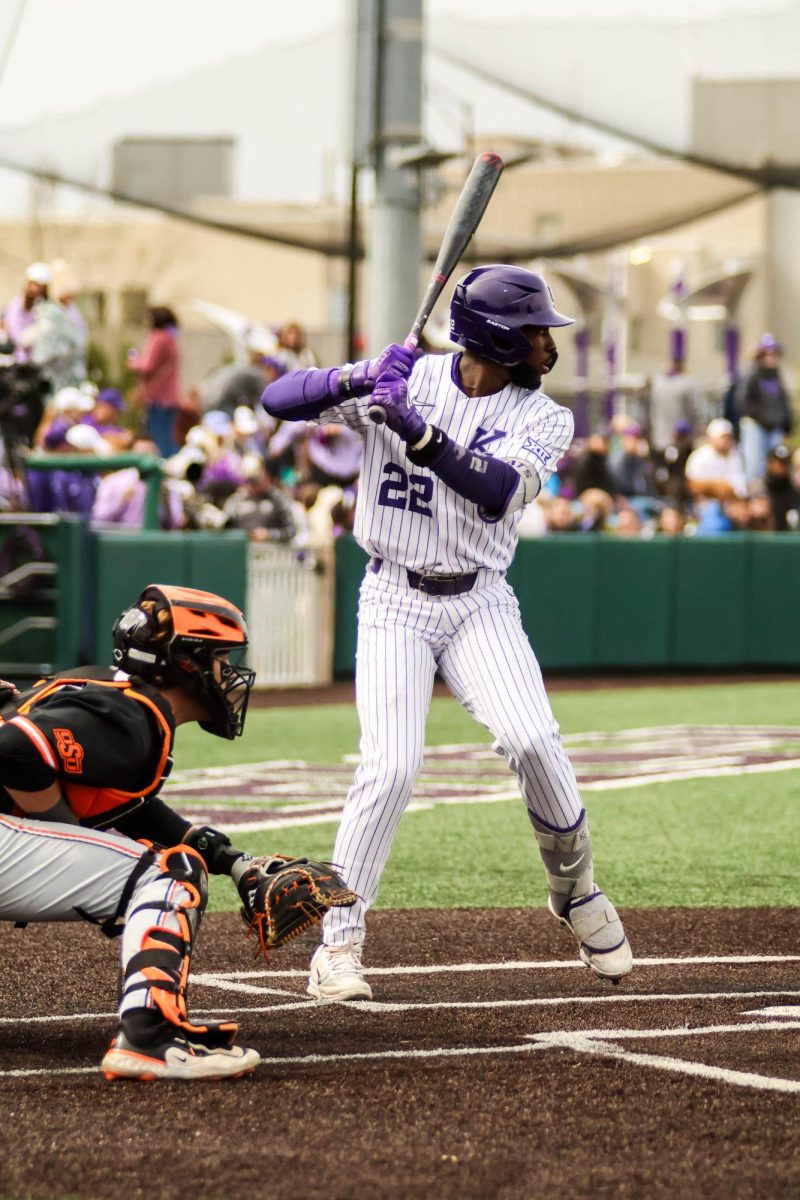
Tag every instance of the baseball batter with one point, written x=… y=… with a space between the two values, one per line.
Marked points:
x=466 y=441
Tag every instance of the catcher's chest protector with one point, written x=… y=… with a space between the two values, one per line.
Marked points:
x=98 y=801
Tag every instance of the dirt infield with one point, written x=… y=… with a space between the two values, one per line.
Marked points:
x=488 y=1065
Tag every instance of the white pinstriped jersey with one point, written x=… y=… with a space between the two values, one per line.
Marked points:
x=405 y=514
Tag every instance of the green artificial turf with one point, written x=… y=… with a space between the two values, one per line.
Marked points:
x=733 y=840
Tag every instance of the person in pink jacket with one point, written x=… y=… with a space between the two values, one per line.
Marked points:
x=158 y=366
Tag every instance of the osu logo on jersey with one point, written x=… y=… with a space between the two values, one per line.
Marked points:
x=71 y=751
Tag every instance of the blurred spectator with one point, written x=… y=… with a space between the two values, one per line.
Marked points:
x=105 y=417
x=190 y=461
x=591 y=469
x=13 y=492
x=343 y=513
x=765 y=415
x=62 y=490
x=85 y=439
x=323 y=454
x=120 y=495
x=322 y=513
x=58 y=337
x=670 y=464
x=627 y=522
x=562 y=515
x=671 y=521
x=158 y=367
x=715 y=518
x=222 y=474
x=247 y=433
x=259 y=506
x=759 y=516
x=674 y=398
x=293 y=349
x=597 y=508
x=793 y=516
x=632 y=470
x=734 y=515
x=783 y=495
x=235 y=384
x=69 y=406
x=714 y=470
x=19 y=315
x=333 y=454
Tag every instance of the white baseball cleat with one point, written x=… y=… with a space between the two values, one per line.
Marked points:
x=177 y=1058
x=594 y=923
x=337 y=973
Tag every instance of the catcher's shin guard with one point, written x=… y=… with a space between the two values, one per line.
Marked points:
x=160 y=929
x=578 y=904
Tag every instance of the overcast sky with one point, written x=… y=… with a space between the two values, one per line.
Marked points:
x=69 y=54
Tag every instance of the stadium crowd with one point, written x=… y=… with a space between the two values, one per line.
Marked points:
x=227 y=464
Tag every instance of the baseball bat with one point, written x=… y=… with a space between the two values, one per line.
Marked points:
x=465 y=219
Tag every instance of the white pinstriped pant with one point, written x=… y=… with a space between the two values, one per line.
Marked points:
x=477 y=643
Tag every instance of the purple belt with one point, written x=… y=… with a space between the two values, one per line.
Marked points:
x=433 y=585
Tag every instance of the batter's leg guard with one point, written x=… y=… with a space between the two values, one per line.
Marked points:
x=576 y=901
x=156 y=1039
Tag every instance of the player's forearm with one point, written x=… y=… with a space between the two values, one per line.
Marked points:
x=303 y=395
x=154 y=821
x=481 y=478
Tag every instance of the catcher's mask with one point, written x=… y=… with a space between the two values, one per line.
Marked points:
x=176 y=636
x=490 y=307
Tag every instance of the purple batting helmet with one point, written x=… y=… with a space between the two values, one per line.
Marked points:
x=490 y=307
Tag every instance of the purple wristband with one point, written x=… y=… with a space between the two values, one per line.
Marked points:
x=487 y=481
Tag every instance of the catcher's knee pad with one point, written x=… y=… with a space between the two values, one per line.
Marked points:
x=160 y=967
x=567 y=858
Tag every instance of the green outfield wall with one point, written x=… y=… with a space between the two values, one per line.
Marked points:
x=591 y=601
x=588 y=601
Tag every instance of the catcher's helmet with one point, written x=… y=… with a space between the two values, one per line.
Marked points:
x=177 y=636
x=491 y=305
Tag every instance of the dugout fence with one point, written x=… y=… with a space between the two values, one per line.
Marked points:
x=290 y=605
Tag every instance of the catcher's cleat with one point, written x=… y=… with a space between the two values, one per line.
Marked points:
x=337 y=973
x=176 y=1058
x=603 y=946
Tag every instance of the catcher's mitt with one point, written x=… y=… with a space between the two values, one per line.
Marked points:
x=282 y=897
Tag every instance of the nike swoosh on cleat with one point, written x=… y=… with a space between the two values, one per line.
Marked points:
x=570 y=866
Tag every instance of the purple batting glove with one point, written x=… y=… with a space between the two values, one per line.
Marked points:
x=390 y=405
x=395 y=362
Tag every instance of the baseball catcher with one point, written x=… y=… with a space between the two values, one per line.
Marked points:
x=85 y=835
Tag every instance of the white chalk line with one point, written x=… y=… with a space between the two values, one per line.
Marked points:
x=775 y=1010
x=306 y=1060
x=597 y=1042
x=599 y=785
x=601 y=1042
x=301 y=1002
x=594 y=1042
x=532 y=965
x=670 y=1031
